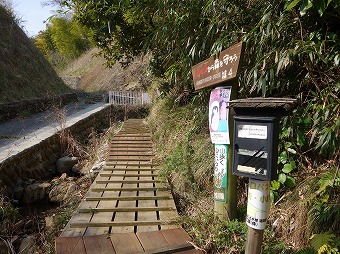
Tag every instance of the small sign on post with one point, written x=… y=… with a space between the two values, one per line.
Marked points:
x=220 y=173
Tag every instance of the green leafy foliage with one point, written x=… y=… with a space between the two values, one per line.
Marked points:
x=62 y=219
x=181 y=145
x=292 y=50
x=213 y=235
x=63 y=39
x=308 y=250
x=8 y=216
x=325 y=210
x=216 y=236
x=324 y=243
x=8 y=212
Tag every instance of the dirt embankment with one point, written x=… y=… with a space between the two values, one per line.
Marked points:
x=94 y=75
x=24 y=71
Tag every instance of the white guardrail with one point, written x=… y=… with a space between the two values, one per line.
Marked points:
x=129 y=98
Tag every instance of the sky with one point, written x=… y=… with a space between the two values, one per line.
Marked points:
x=33 y=15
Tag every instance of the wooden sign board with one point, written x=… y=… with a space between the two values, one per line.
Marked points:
x=218 y=69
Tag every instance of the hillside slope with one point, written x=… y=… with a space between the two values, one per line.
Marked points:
x=96 y=76
x=24 y=72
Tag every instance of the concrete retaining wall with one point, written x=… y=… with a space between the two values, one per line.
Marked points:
x=14 y=109
x=38 y=161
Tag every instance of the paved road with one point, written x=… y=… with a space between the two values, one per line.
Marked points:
x=17 y=134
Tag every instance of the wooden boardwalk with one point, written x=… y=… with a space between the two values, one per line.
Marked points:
x=127 y=209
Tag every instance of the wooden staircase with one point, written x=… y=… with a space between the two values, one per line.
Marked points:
x=128 y=208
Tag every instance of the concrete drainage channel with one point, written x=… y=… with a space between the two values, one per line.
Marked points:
x=25 y=166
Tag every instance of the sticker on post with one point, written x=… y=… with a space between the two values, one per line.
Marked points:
x=258 y=204
x=218 y=115
x=220 y=173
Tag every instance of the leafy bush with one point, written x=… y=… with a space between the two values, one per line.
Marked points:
x=324 y=243
x=7 y=211
x=325 y=210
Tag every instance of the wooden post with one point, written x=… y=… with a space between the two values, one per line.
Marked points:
x=254 y=241
x=208 y=73
x=257 y=213
x=232 y=179
x=228 y=210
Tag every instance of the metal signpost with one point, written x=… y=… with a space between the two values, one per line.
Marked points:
x=221 y=71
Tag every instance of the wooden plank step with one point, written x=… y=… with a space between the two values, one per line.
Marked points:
x=126 y=146
x=172 y=249
x=98 y=244
x=167 y=241
x=120 y=134
x=124 y=174
x=127 y=181
x=132 y=145
x=123 y=166
x=130 y=159
x=128 y=198
x=131 y=164
x=106 y=168
x=141 y=135
x=130 y=154
x=67 y=245
x=119 y=224
x=126 y=243
x=130 y=139
x=124 y=209
x=130 y=189
x=128 y=150
x=141 y=145
x=131 y=142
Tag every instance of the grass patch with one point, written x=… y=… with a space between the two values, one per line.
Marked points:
x=25 y=113
x=9 y=137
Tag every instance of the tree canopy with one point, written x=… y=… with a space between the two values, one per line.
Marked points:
x=292 y=48
x=63 y=39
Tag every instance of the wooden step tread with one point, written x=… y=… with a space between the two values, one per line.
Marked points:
x=127 y=181
x=132 y=168
x=130 y=189
x=120 y=224
x=125 y=209
x=128 y=198
x=127 y=175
